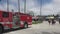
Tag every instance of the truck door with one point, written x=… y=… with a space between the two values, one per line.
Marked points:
x=16 y=21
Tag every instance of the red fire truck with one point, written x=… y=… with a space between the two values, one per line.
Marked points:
x=15 y=20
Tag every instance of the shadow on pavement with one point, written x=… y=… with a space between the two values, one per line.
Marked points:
x=50 y=33
x=56 y=33
x=11 y=30
x=46 y=33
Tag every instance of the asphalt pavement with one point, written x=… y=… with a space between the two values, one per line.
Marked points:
x=43 y=28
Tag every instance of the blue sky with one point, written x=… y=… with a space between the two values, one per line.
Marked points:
x=32 y=5
x=43 y=2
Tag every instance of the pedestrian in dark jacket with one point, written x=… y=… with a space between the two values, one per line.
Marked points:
x=53 y=21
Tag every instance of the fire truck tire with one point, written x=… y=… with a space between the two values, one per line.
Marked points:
x=1 y=29
x=25 y=25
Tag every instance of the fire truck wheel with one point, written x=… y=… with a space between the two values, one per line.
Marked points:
x=1 y=29
x=25 y=25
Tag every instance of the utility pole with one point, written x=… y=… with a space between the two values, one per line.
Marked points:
x=53 y=9
x=19 y=6
x=24 y=6
x=41 y=8
x=18 y=9
x=8 y=5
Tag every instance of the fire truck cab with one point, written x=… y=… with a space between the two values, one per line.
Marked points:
x=15 y=20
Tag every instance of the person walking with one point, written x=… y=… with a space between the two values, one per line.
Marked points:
x=49 y=21
x=53 y=21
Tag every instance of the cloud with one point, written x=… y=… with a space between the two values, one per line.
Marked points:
x=11 y=6
x=36 y=10
x=1 y=7
x=56 y=6
x=32 y=6
x=47 y=9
